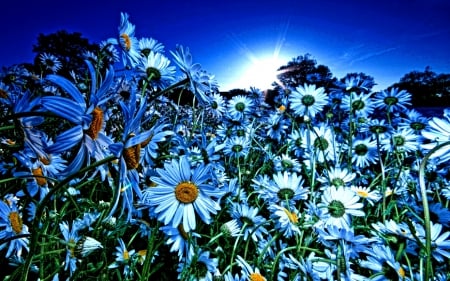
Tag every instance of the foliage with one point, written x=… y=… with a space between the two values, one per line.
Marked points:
x=426 y=87
x=107 y=176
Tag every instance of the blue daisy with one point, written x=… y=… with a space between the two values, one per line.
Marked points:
x=182 y=193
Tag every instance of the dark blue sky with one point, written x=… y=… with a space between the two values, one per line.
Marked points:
x=384 y=39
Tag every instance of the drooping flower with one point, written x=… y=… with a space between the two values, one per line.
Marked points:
x=11 y=225
x=123 y=258
x=128 y=43
x=182 y=193
x=87 y=116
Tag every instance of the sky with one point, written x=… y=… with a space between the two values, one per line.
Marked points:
x=241 y=42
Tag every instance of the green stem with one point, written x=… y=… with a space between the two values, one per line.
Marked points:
x=40 y=209
x=426 y=210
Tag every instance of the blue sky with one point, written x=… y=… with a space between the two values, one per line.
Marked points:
x=384 y=39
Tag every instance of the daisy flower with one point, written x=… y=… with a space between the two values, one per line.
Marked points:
x=339 y=205
x=50 y=62
x=382 y=262
x=364 y=152
x=285 y=189
x=236 y=147
x=181 y=193
x=307 y=100
x=128 y=43
x=156 y=69
x=247 y=217
x=181 y=241
x=414 y=121
x=392 y=100
x=11 y=225
x=147 y=45
x=337 y=176
x=358 y=104
x=200 y=267
x=249 y=272
x=240 y=107
x=123 y=258
x=372 y=196
x=200 y=82
x=438 y=132
x=286 y=220
x=401 y=140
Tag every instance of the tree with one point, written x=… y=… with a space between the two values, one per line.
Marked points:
x=427 y=88
x=304 y=69
x=69 y=48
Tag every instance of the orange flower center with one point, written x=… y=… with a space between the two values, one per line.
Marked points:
x=132 y=156
x=96 y=124
x=256 y=277
x=186 y=192
x=41 y=181
x=292 y=216
x=16 y=222
x=45 y=160
x=3 y=94
x=126 y=41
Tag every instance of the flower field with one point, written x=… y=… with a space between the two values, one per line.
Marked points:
x=147 y=172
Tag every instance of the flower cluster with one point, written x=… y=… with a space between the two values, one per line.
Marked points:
x=107 y=173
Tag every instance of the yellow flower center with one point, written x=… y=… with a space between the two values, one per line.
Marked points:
x=256 y=277
x=362 y=193
x=126 y=41
x=126 y=255
x=401 y=272
x=282 y=108
x=16 y=222
x=292 y=216
x=96 y=124
x=132 y=156
x=41 y=181
x=186 y=192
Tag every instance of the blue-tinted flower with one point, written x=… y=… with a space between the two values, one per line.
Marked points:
x=199 y=267
x=339 y=205
x=181 y=241
x=127 y=42
x=156 y=69
x=87 y=117
x=286 y=189
x=381 y=261
x=123 y=258
x=247 y=218
x=236 y=147
x=401 y=140
x=147 y=45
x=359 y=104
x=249 y=272
x=438 y=132
x=181 y=193
x=11 y=225
x=285 y=220
x=276 y=126
x=307 y=100
x=364 y=152
x=71 y=238
x=392 y=100
x=201 y=83
x=337 y=176
x=240 y=107
x=372 y=196
x=322 y=145
x=50 y=62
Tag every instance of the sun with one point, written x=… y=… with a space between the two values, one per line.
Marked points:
x=262 y=72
